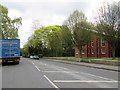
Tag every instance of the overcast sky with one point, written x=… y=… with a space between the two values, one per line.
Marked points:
x=47 y=12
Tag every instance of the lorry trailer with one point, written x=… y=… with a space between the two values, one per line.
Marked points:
x=9 y=51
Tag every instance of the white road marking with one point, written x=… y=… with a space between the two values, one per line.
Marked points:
x=83 y=81
x=97 y=76
x=37 y=68
x=33 y=63
x=59 y=72
x=76 y=72
x=65 y=68
x=45 y=64
x=51 y=82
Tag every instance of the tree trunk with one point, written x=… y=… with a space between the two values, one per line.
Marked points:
x=113 y=53
x=80 y=49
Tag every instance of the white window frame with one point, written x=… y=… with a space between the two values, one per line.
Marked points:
x=102 y=51
x=92 y=51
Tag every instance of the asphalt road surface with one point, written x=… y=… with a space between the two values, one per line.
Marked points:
x=52 y=74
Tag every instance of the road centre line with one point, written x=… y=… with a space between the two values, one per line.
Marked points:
x=51 y=82
x=37 y=68
x=83 y=81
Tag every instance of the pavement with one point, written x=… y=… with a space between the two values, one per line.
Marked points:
x=99 y=66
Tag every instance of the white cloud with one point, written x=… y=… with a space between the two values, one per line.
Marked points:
x=14 y=13
x=48 y=12
x=48 y=0
x=25 y=31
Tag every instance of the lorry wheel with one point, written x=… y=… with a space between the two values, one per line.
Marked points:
x=3 y=64
x=16 y=62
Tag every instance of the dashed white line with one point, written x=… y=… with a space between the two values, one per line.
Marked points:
x=51 y=82
x=33 y=63
x=37 y=68
x=83 y=81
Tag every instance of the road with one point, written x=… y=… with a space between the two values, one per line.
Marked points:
x=52 y=74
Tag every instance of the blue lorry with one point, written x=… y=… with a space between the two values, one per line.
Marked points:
x=9 y=51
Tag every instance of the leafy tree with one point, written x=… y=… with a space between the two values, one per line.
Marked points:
x=25 y=51
x=8 y=27
x=107 y=18
x=78 y=29
x=67 y=43
x=50 y=38
x=74 y=19
x=55 y=42
x=82 y=35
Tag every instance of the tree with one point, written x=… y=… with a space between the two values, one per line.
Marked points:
x=25 y=51
x=55 y=42
x=9 y=28
x=50 y=38
x=36 y=25
x=67 y=43
x=82 y=35
x=15 y=24
x=79 y=29
x=108 y=15
x=74 y=19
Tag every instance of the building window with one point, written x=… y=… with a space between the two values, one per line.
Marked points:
x=97 y=43
x=92 y=44
x=103 y=51
x=92 y=51
x=97 y=50
x=102 y=43
x=83 y=50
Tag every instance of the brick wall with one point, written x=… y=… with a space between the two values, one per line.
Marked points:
x=97 y=48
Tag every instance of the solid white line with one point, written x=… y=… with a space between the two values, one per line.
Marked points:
x=37 y=68
x=97 y=76
x=64 y=68
x=82 y=81
x=51 y=82
x=59 y=72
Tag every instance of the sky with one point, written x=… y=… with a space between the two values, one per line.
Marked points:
x=47 y=12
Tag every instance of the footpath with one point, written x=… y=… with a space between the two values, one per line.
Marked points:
x=99 y=66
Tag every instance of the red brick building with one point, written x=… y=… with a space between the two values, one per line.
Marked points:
x=97 y=48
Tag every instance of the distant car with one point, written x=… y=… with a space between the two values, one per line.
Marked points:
x=34 y=57
x=31 y=57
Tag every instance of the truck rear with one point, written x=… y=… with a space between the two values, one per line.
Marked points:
x=10 y=51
